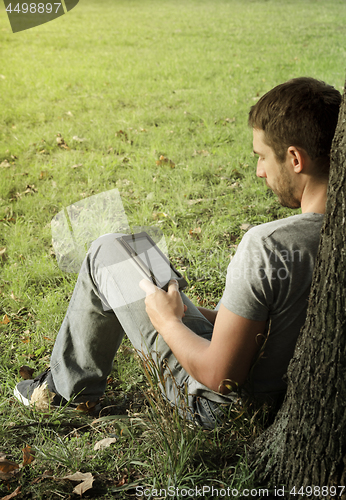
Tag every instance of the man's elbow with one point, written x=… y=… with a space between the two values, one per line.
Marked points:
x=224 y=384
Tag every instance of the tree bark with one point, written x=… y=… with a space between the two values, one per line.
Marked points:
x=306 y=444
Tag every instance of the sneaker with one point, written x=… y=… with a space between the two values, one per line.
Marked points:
x=40 y=392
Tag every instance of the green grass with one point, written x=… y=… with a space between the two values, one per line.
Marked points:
x=178 y=78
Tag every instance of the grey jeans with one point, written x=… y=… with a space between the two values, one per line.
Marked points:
x=106 y=304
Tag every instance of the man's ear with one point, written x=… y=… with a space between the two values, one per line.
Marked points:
x=297 y=158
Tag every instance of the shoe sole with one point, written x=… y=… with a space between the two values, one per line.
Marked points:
x=20 y=397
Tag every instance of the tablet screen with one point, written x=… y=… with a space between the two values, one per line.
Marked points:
x=151 y=257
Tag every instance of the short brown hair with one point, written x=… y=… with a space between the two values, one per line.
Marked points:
x=302 y=112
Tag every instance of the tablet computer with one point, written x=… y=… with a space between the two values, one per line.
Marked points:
x=149 y=259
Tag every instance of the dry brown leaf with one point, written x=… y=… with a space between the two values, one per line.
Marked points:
x=246 y=227
x=77 y=165
x=28 y=455
x=42 y=398
x=202 y=152
x=78 y=139
x=5 y=320
x=159 y=215
x=198 y=200
x=8 y=469
x=78 y=476
x=30 y=189
x=87 y=407
x=121 y=133
x=13 y=494
x=104 y=443
x=26 y=372
x=61 y=142
x=86 y=479
x=126 y=350
x=195 y=233
x=165 y=161
x=122 y=481
x=83 y=487
x=5 y=164
x=234 y=185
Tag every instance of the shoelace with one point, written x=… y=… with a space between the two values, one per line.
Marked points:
x=42 y=376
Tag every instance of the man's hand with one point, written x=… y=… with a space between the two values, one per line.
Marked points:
x=163 y=308
x=229 y=354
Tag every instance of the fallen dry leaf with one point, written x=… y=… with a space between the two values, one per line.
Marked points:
x=78 y=139
x=104 y=443
x=44 y=174
x=86 y=483
x=30 y=189
x=234 y=185
x=246 y=227
x=121 y=133
x=26 y=372
x=61 y=142
x=198 y=200
x=5 y=320
x=13 y=494
x=159 y=215
x=122 y=481
x=5 y=164
x=195 y=233
x=165 y=161
x=87 y=407
x=83 y=487
x=126 y=350
x=77 y=165
x=202 y=152
x=78 y=476
x=28 y=455
x=12 y=295
x=8 y=469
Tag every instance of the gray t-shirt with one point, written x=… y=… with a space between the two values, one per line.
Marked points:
x=269 y=278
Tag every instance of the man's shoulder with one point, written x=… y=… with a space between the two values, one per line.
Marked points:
x=296 y=227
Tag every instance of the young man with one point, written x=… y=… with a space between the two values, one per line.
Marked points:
x=267 y=287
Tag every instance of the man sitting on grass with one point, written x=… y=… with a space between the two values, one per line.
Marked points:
x=264 y=304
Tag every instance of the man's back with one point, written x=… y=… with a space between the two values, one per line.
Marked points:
x=270 y=276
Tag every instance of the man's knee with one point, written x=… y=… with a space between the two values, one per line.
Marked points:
x=107 y=249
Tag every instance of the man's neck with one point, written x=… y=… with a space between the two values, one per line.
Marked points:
x=314 y=197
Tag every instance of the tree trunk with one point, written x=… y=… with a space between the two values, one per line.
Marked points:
x=306 y=445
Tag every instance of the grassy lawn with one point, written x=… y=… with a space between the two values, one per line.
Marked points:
x=123 y=83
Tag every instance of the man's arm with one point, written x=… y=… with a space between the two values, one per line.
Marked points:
x=227 y=357
x=209 y=314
